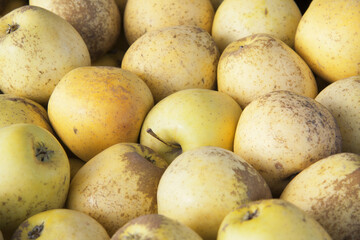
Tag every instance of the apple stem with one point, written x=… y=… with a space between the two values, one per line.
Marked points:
x=36 y=231
x=42 y=153
x=151 y=132
x=12 y=28
x=250 y=215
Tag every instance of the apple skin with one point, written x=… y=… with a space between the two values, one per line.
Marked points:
x=270 y=219
x=328 y=190
x=38 y=48
x=117 y=185
x=189 y=119
x=34 y=174
x=202 y=185
x=59 y=224
x=94 y=107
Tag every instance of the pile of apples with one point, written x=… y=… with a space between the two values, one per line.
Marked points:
x=180 y=119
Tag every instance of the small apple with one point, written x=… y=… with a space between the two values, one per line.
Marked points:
x=34 y=174
x=60 y=224
x=270 y=219
x=189 y=119
x=155 y=226
x=117 y=185
x=202 y=185
x=38 y=48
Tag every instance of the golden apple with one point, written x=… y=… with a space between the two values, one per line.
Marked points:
x=155 y=226
x=95 y=107
x=97 y=21
x=281 y=133
x=235 y=19
x=34 y=174
x=261 y=63
x=174 y=58
x=328 y=37
x=143 y=16
x=328 y=190
x=204 y=184
x=189 y=119
x=117 y=185
x=60 y=224
x=38 y=48
x=270 y=219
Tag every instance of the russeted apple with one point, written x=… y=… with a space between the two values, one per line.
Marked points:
x=34 y=174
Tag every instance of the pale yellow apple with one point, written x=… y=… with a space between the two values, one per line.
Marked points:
x=34 y=174
x=270 y=219
x=281 y=133
x=38 y=48
x=328 y=190
x=235 y=19
x=97 y=21
x=117 y=185
x=95 y=107
x=204 y=184
x=60 y=224
x=342 y=98
x=155 y=226
x=328 y=37
x=174 y=58
x=261 y=63
x=16 y=109
x=189 y=119
x=143 y=16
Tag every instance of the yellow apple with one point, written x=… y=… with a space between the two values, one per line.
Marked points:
x=97 y=21
x=235 y=19
x=281 y=133
x=155 y=226
x=38 y=48
x=327 y=38
x=204 y=184
x=328 y=190
x=261 y=63
x=342 y=98
x=270 y=219
x=34 y=174
x=60 y=224
x=95 y=107
x=143 y=16
x=189 y=119
x=174 y=58
x=117 y=185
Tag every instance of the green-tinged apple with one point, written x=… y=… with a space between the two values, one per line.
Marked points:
x=34 y=174
x=204 y=184
x=329 y=191
x=38 y=48
x=117 y=185
x=270 y=219
x=93 y=108
x=189 y=119
x=281 y=133
x=97 y=21
x=155 y=226
x=60 y=224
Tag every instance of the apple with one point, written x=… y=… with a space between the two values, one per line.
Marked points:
x=328 y=190
x=261 y=63
x=38 y=48
x=34 y=174
x=281 y=133
x=94 y=107
x=155 y=226
x=327 y=38
x=117 y=185
x=60 y=224
x=270 y=219
x=202 y=185
x=189 y=119
x=235 y=19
